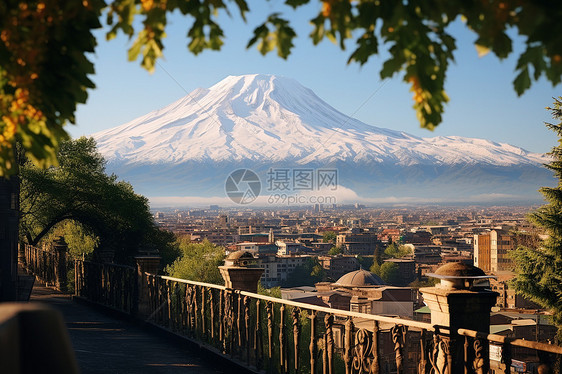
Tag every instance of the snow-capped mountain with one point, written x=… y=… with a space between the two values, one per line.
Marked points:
x=264 y=121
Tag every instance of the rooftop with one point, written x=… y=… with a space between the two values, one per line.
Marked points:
x=360 y=278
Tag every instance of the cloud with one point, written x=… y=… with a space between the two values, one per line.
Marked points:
x=326 y=196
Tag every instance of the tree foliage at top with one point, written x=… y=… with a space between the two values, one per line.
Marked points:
x=539 y=271
x=44 y=68
x=80 y=190
x=43 y=73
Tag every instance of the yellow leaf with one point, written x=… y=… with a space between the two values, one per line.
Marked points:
x=482 y=51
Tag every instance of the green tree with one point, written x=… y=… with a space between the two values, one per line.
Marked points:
x=45 y=70
x=79 y=190
x=334 y=251
x=375 y=268
x=307 y=274
x=527 y=239
x=329 y=237
x=539 y=271
x=377 y=257
x=390 y=273
x=397 y=251
x=273 y=291
x=197 y=261
x=80 y=239
x=391 y=250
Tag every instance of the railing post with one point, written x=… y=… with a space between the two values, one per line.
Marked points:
x=348 y=345
x=313 y=347
x=240 y=273
x=134 y=298
x=459 y=302
x=61 y=276
x=329 y=344
x=76 y=278
x=145 y=264
x=21 y=255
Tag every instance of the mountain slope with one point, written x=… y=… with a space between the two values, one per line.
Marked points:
x=263 y=121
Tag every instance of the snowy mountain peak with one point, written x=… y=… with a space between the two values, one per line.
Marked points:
x=260 y=121
x=260 y=87
x=269 y=118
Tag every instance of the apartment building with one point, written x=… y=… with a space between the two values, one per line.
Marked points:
x=338 y=266
x=357 y=243
x=491 y=250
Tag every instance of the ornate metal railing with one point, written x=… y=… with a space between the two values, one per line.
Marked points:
x=510 y=354
x=282 y=336
x=111 y=285
x=266 y=334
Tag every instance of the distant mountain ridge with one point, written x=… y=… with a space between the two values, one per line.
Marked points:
x=262 y=121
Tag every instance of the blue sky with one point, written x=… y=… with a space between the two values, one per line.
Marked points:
x=482 y=101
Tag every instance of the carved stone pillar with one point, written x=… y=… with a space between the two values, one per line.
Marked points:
x=60 y=248
x=462 y=300
x=240 y=272
x=145 y=264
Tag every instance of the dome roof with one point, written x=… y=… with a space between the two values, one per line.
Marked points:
x=239 y=255
x=459 y=269
x=360 y=278
x=461 y=276
x=240 y=259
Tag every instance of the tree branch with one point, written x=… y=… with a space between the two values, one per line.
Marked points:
x=47 y=228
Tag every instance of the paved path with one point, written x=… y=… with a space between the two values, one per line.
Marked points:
x=106 y=345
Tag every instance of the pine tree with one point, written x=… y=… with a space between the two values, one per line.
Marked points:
x=539 y=270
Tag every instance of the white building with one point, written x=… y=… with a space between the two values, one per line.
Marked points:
x=287 y=248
